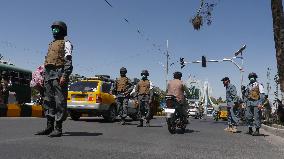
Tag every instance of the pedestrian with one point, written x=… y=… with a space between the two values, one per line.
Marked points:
x=267 y=109
x=232 y=106
x=121 y=89
x=57 y=69
x=177 y=88
x=144 y=98
x=254 y=93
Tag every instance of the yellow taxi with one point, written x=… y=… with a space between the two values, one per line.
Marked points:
x=223 y=113
x=92 y=96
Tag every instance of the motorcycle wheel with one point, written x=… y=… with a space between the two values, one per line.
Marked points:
x=171 y=127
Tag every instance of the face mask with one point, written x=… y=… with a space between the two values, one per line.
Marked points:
x=144 y=77
x=252 y=80
x=55 y=31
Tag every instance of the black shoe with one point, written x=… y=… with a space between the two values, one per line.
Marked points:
x=46 y=131
x=58 y=130
x=49 y=128
x=56 y=133
x=256 y=133
x=250 y=132
x=141 y=123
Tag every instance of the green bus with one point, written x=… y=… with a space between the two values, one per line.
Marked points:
x=19 y=81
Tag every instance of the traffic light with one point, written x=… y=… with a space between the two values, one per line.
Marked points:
x=181 y=60
x=203 y=61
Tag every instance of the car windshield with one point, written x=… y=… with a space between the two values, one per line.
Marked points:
x=87 y=86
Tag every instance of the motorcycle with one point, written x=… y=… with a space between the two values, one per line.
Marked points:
x=173 y=118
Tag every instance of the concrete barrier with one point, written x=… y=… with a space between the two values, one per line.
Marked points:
x=21 y=110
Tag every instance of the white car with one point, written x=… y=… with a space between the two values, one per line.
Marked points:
x=192 y=111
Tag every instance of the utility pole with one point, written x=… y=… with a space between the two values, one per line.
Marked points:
x=268 y=80
x=167 y=65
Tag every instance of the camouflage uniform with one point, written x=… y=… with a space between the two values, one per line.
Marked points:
x=144 y=98
x=232 y=98
x=122 y=89
x=57 y=69
x=255 y=96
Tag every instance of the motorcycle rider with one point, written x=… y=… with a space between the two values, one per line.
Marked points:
x=177 y=88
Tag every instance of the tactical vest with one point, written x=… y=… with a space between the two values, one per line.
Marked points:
x=144 y=87
x=175 y=88
x=122 y=83
x=56 y=53
x=254 y=93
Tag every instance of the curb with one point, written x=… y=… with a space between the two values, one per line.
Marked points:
x=21 y=110
x=272 y=130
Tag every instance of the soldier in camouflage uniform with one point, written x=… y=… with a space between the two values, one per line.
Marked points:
x=122 y=89
x=58 y=67
x=254 y=95
x=232 y=99
x=144 y=98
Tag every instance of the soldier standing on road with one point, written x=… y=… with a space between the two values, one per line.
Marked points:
x=58 y=67
x=254 y=93
x=177 y=88
x=232 y=99
x=144 y=98
x=122 y=89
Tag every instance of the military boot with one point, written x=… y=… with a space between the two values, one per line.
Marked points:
x=250 y=132
x=256 y=133
x=49 y=128
x=58 y=130
x=141 y=123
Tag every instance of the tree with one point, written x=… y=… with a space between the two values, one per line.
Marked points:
x=278 y=29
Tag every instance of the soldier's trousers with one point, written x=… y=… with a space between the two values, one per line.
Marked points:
x=233 y=116
x=144 y=106
x=253 y=116
x=122 y=103
x=55 y=100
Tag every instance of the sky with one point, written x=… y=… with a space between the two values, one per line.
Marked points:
x=104 y=41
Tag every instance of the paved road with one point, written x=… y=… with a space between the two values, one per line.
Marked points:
x=92 y=138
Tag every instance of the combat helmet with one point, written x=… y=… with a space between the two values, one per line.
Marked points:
x=62 y=25
x=144 y=72
x=123 y=70
x=252 y=75
x=177 y=75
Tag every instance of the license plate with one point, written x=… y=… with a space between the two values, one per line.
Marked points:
x=169 y=110
x=79 y=97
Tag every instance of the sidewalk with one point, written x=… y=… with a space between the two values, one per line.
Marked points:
x=275 y=129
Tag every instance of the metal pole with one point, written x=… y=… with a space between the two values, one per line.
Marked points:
x=167 y=65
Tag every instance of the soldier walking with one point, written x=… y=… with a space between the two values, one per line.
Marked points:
x=58 y=67
x=232 y=99
x=122 y=89
x=144 y=98
x=254 y=94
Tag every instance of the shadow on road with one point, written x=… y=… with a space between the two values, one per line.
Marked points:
x=81 y=134
x=187 y=131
